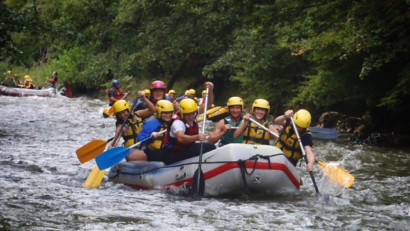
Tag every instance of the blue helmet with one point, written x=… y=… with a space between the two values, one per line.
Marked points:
x=115 y=83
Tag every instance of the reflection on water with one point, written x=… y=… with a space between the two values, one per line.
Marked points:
x=41 y=183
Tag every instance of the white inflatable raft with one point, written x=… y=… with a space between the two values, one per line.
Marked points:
x=15 y=91
x=231 y=169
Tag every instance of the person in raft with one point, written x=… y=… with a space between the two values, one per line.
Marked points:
x=183 y=131
x=151 y=128
x=115 y=94
x=52 y=81
x=252 y=133
x=288 y=141
x=171 y=95
x=224 y=129
x=134 y=123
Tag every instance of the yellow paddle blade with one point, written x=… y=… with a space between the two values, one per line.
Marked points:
x=337 y=174
x=94 y=179
x=108 y=111
x=91 y=150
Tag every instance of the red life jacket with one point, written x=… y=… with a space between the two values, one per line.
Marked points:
x=117 y=93
x=171 y=143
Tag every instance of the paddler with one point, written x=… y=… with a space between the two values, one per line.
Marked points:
x=288 y=141
x=252 y=133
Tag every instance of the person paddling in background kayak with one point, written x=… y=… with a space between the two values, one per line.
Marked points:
x=115 y=94
x=183 y=131
x=134 y=123
x=288 y=141
x=52 y=81
x=151 y=128
x=223 y=129
x=28 y=83
x=252 y=133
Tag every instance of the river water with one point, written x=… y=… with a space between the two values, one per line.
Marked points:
x=41 y=183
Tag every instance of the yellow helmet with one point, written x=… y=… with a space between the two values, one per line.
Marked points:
x=171 y=91
x=187 y=106
x=146 y=91
x=121 y=105
x=9 y=72
x=186 y=92
x=27 y=77
x=203 y=92
x=192 y=92
x=235 y=101
x=261 y=103
x=164 y=106
x=15 y=75
x=302 y=118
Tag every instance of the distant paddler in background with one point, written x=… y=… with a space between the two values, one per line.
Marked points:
x=252 y=133
x=222 y=130
x=140 y=105
x=152 y=128
x=191 y=93
x=201 y=100
x=134 y=123
x=288 y=141
x=52 y=81
x=115 y=94
x=171 y=96
x=27 y=83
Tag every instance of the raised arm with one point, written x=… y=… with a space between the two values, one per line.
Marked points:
x=210 y=97
x=151 y=107
x=281 y=120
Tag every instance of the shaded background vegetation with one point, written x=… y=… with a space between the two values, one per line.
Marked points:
x=343 y=55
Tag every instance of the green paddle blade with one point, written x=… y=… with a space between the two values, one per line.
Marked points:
x=94 y=179
x=91 y=150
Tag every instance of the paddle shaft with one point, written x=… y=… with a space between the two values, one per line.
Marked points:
x=159 y=133
x=123 y=124
x=304 y=153
x=264 y=128
x=200 y=174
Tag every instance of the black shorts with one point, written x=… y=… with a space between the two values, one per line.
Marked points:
x=154 y=155
x=193 y=150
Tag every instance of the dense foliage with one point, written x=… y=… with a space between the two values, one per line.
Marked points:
x=346 y=55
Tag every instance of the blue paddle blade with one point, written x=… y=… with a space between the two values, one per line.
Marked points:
x=324 y=133
x=111 y=157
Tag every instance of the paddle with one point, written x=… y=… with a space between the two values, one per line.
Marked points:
x=115 y=155
x=337 y=174
x=94 y=179
x=304 y=154
x=198 y=180
x=91 y=150
x=324 y=133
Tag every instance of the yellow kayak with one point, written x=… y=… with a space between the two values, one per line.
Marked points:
x=215 y=114
x=108 y=111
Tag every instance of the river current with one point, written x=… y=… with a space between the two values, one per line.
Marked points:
x=41 y=183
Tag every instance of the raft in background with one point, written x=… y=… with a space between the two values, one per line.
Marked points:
x=23 y=92
x=232 y=169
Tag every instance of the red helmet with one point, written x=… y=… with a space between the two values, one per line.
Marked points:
x=158 y=84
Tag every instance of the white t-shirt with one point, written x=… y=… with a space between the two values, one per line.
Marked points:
x=178 y=125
